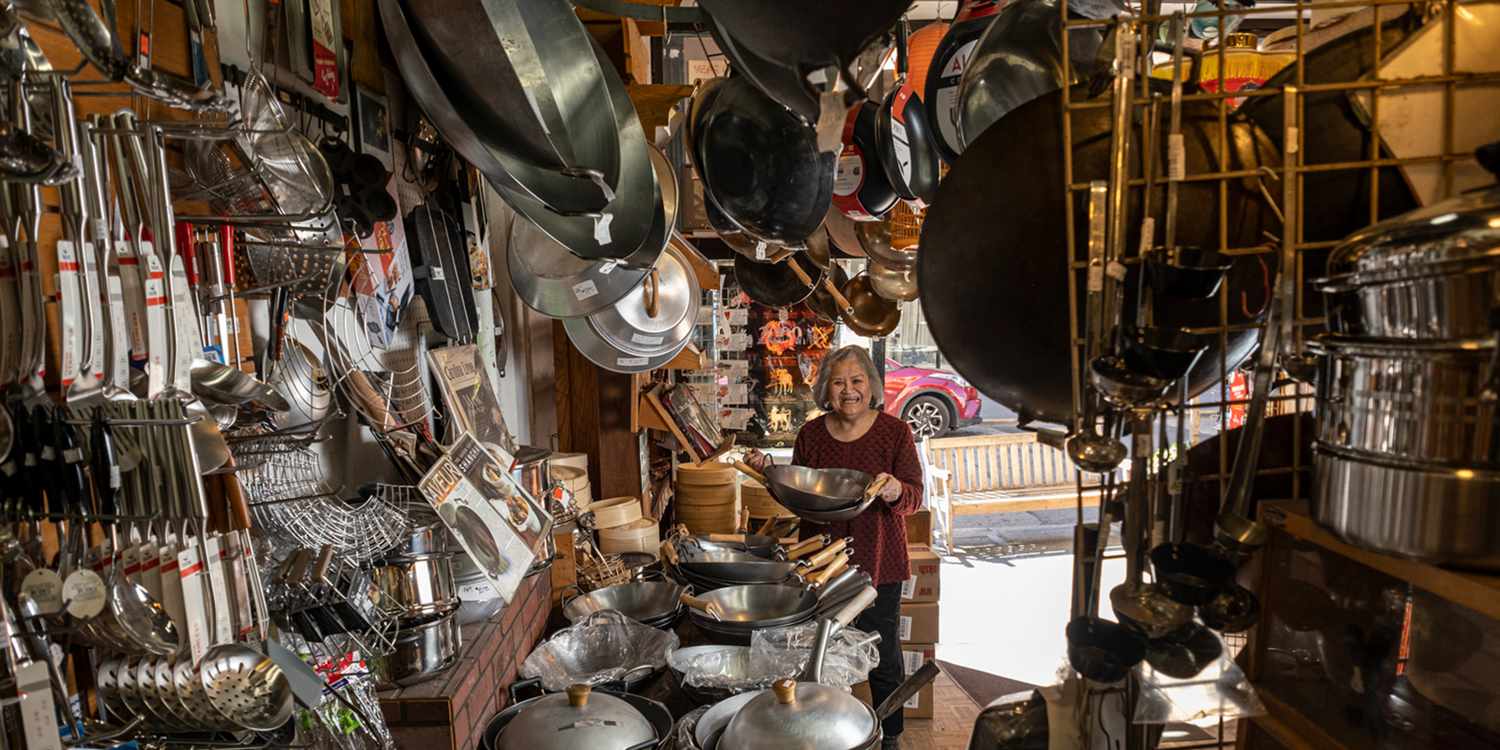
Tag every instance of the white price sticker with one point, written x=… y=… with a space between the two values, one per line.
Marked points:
x=1096 y=278
x=190 y=572
x=585 y=289
x=436 y=274
x=632 y=361
x=1176 y=158
x=645 y=340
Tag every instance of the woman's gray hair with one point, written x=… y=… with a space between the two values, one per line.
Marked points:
x=825 y=370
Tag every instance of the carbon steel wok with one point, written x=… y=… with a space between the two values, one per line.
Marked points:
x=774 y=284
x=803 y=37
x=760 y=164
x=822 y=495
x=1017 y=59
x=995 y=225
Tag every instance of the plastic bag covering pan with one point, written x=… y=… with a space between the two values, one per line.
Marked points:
x=995 y=298
x=804 y=37
x=626 y=225
x=760 y=164
x=1017 y=59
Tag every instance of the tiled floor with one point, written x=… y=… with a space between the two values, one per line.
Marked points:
x=949 y=728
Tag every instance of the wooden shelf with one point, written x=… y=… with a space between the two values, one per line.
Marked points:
x=1475 y=591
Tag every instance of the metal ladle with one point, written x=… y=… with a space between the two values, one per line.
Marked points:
x=1143 y=606
x=1089 y=450
x=1234 y=530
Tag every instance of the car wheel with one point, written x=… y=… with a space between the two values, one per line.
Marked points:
x=927 y=416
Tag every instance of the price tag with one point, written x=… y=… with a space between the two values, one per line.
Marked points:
x=1116 y=270
x=223 y=627
x=72 y=333
x=171 y=585
x=585 y=289
x=190 y=572
x=1148 y=234
x=601 y=228
x=83 y=594
x=38 y=711
x=156 y=327
x=1176 y=158
x=608 y=267
x=1096 y=278
x=632 y=361
x=760 y=250
x=646 y=340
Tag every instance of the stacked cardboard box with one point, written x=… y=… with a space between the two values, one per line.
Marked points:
x=919 y=607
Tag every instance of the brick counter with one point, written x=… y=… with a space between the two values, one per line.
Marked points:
x=451 y=710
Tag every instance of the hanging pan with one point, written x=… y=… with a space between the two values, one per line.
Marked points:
x=892 y=284
x=774 y=284
x=868 y=313
x=904 y=138
x=761 y=164
x=647 y=327
x=822 y=301
x=992 y=223
x=804 y=37
x=860 y=186
x=842 y=233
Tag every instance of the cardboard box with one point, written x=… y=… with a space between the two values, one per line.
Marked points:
x=924 y=579
x=919 y=527
x=919 y=622
x=913 y=656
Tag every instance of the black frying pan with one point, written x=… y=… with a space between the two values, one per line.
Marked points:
x=760 y=163
x=860 y=186
x=903 y=139
x=996 y=296
x=440 y=271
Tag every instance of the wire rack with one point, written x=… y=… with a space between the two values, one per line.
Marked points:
x=294 y=505
x=1430 y=155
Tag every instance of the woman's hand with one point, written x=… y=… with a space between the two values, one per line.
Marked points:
x=891 y=491
x=756 y=460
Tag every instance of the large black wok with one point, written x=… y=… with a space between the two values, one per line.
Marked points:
x=995 y=298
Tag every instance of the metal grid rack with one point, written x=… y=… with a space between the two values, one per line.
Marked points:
x=1448 y=170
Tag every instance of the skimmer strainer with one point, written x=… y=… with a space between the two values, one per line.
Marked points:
x=246 y=687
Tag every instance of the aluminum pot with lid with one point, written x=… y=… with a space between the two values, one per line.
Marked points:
x=578 y=718
x=1429 y=274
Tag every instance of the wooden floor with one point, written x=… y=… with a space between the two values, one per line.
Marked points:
x=949 y=728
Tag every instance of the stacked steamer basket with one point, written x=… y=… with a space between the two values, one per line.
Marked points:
x=761 y=506
x=707 y=498
x=622 y=528
x=575 y=480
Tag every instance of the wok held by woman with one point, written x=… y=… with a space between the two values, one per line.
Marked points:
x=855 y=433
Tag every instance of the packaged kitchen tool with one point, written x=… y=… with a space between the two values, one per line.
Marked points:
x=470 y=397
x=497 y=524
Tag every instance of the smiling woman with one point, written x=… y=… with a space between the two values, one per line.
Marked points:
x=855 y=434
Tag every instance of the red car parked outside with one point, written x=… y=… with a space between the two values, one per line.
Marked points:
x=932 y=401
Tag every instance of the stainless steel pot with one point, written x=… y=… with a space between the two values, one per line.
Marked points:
x=1422 y=403
x=425 y=534
x=417 y=586
x=1431 y=274
x=531 y=470
x=422 y=652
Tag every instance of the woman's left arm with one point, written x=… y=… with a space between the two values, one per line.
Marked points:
x=907 y=468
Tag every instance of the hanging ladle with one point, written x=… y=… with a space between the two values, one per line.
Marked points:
x=1089 y=450
x=1144 y=607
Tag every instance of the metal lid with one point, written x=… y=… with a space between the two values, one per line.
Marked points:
x=801 y=714
x=1445 y=237
x=575 y=719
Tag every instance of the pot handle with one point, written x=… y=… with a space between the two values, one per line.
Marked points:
x=767 y=527
x=711 y=609
x=807 y=546
x=748 y=471
x=668 y=552
x=830 y=570
x=854 y=607
x=907 y=689
x=827 y=553
x=652 y=293
x=564 y=598
x=519 y=685
x=838 y=296
x=876 y=486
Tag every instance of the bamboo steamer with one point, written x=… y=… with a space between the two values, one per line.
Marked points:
x=640 y=535
x=576 y=480
x=758 y=501
x=615 y=511
x=712 y=474
x=570 y=460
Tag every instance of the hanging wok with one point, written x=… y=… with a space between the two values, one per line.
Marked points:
x=842 y=233
x=803 y=37
x=737 y=238
x=774 y=284
x=821 y=301
x=891 y=283
x=1337 y=203
x=869 y=314
x=1017 y=59
x=565 y=206
x=994 y=298
x=777 y=80
x=760 y=164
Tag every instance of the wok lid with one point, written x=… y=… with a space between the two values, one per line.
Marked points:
x=801 y=714
x=578 y=718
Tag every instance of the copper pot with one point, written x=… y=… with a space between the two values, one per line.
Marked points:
x=868 y=313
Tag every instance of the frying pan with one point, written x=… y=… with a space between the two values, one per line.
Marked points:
x=868 y=313
x=1017 y=59
x=777 y=80
x=842 y=232
x=804 y=37
x=557 y=283
x=903 y=139
x=772 y=284
x=440 y=268
x=760 y=164
x=1103 y=651
x=892 y=284
x=737 y=238
x=860 y=186
x=999 y=216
